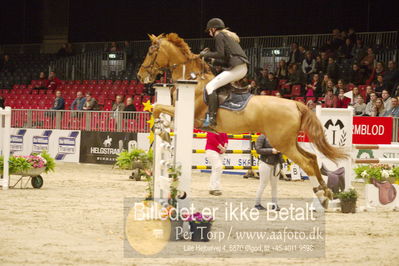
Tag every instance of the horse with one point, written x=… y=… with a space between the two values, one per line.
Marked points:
x=281 y=120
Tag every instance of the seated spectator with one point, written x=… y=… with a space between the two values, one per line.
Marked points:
x=1 y=102
x=332 y=69
x=355 y=94
x=295 y=76
x=341 y=85
x=331 y=86
x=302 y=53
x=318 y=65
x=59 y=102
x=324 y=62
x=53 y=82
x=282 y=70
x=352 y=35
x=308 y=66
x=314 y=89
x=7 y=65
x=342 y=100
x=311 y=105
x=113 y=47
x=91 y=103
x=263 y=78
x=118 y=104
x=368 y=59
x=358 y=51
x=129 y=105
x=379 y=85
x=359 y=107
x=370 y=104
x=79 y=102
x=41 y=83
x=356 y=76
x=394 y=110
x=369 y=90
x=271 y=83
x=253 y=88
x=391 y=76
x=324 y=82
x=378 y=108
x=345 y=51
x=386 y=99
x=330 y=100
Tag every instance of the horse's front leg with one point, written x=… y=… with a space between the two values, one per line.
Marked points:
x=163 y=109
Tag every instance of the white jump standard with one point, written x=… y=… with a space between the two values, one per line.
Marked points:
x=5 y=131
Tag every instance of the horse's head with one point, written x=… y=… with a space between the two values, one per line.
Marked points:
x=155 y=61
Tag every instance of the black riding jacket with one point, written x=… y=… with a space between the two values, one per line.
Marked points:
x=228 y=50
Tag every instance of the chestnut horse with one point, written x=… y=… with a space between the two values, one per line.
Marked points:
x=280 y=119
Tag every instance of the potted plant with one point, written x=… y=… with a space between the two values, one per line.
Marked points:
x=379 y=172
x=137 y=160
x=31 y=165
x=348 y=200
x=200 y=226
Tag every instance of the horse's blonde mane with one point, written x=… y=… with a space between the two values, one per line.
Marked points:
x=181 y=44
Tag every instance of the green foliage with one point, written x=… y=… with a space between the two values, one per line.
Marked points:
x=174 y=173
x=50 y=162
x=126 y=160
x=380 y=172
x=350 y=195
x=18 y=164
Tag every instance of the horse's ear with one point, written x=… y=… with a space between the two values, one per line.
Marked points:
x=161 y=35
x=152 y=37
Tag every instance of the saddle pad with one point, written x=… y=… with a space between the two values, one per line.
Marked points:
x=235 y=102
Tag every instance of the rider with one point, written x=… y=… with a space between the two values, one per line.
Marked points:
x=229 y=50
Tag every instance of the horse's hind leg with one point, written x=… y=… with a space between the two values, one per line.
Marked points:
x=308 y=162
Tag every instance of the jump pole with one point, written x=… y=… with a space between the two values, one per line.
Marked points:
x=5 y=131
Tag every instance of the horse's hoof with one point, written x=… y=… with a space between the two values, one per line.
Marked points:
x=329 y=194
x=324 y=203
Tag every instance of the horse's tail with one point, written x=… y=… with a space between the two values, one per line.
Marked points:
x=311 y=125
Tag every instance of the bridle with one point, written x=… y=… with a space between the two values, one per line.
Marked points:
x=154 y=49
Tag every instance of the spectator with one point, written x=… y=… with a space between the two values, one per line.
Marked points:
x=391 y=76
x=79 y=102
x=318 y=65
x=311 y=105
x=302 y=53
x=314 y=89
x=324 y=62
x=358 y=51
x=294 y=56
x=359 y=107
x=378 y=108
x=59 y=102
x=113 y=47
x=309 y=66
x=129 y=107
x=356 y=76
x=346 y=49
x=352 y=35
x=295 y=76
x=380 y=86
x=369 y=90
x=91 y=103
x=324 y=83
x=355 y=94
x=342 y=100
x=331 y=86
x=263 y=78
x=41 y=83
x=253 y=88
x=375 y=71
x=332 y=69
x=62 y=52
x=216 y=145
x=271 y=83
x=341 y=85
x=129 y=52
x=330 y=100
x=118 y=105
x=337 y=40
x=6 y=65
x=386 y=99
x=368 y=60
x=394 y=110
x=282 y=71
x=1 y=102
x=278 y=95
x=53 y=82
x=370 y=104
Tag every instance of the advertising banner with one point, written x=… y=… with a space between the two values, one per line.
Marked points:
x=63 y=145
x=372 y=130
x=104 y=147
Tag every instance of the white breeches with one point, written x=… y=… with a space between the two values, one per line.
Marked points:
x=266 y=174
x=215 y=159
x=226 y=77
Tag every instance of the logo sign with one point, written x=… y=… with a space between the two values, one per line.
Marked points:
x=372 y=130
x=17 y=143
x=66 y=145
x=337 y=132
x=40 y=143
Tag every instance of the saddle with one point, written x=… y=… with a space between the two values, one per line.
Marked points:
x=231 y=97
x=336 y=179
x=386 y=191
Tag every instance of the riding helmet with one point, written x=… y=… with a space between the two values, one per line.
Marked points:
x=216 y=23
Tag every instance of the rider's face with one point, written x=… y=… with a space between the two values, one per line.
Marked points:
x=211 y=32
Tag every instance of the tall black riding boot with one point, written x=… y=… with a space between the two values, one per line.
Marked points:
x=213 y=105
